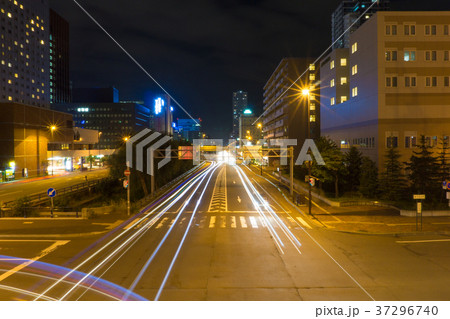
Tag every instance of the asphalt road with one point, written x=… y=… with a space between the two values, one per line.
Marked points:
x=14 y=190
x=225 y=234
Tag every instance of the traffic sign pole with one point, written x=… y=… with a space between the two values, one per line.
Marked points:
x=128 y=173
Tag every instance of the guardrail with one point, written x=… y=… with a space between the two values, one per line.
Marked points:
x=40 y=197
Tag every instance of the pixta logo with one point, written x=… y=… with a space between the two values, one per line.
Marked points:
x=146 y=141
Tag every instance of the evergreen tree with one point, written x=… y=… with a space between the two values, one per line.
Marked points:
x=368 y=182
x=392 y=182
x=443 y=161
x=334 y=167
x=424 y=171
x=353 y=160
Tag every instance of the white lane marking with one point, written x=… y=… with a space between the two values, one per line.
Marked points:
x=114 y=225
x=132 y=223
x=253 y=222
x=421 y=241
x=139 y=225
x=161 y=224
x=212 y=222
x=223 y=223
x=239 y=199
x=171 y=222
x=201 y=224
x=28 y=222
x=303 y=222
x=182 y=220
x=243 y=222
x=43 y=253
x=263 y=222
x=233 y=222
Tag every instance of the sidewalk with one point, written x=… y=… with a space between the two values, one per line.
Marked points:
x=366 y=219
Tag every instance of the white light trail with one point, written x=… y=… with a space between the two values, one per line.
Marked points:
x=183 y=239
x=173 y=199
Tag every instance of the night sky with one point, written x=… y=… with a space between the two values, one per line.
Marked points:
x=199 y=50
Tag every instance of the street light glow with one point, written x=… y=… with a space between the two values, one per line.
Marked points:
x=305 y=92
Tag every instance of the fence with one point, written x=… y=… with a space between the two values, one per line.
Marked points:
x=28 y=212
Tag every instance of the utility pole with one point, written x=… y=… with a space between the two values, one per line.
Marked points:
x=128 y=188
x=309 y=186
x=291 y=170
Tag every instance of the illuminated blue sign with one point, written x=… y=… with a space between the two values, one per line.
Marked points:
x=248 y=111
x=171 y=109
x=159 y=103
x=174 y=125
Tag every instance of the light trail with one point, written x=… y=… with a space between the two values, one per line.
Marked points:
x=25 y=292
x=287 y=232
x=178 y=194
x=184 y=236
x=143 y=229
x=148 y=262
x=321 y=247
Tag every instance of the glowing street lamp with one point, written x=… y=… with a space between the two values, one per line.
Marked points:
x=53 y=128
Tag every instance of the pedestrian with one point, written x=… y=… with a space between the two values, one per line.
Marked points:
x=85 y=177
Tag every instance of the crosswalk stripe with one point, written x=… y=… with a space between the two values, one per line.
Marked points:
x=243 y=222
x=131 y=224
x=162 y=222
x=253 y=222
x=233 y=222
x=303 y=222
x=263 y=222
x=212 y=222
x=223 y=223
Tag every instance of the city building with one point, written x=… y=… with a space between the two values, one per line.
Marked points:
x=397 y=88
x=60 y=91
x=24 y=59
x=25 y=135
x=347 y=13
x=292 y=114
x=249 y=131
x=113 y=120
x=239 y=102
x=162 y=115
x=189 y=129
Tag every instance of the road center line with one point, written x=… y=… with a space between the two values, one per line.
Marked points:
x=421 y=241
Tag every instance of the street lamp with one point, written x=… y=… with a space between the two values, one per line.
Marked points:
x=53 y=128
x=307 y=94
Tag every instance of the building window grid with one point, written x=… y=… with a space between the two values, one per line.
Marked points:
x=410 y=29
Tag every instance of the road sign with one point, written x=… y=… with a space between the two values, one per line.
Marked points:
x=185 y=152
x=127 y=172
x=419 y=196
x=444 y=185
x=125 y=184
x=51 y=192
x=312 y=181
x=419 y=207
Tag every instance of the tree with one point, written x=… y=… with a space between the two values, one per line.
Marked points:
x=424 y=171
x=353 y=160
x=444 y=164
x=392 y=182
x=368 y=180
x=334 y=167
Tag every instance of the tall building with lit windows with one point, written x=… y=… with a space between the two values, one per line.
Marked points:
x=391 y=86
x=24 y=59
x=287 y=113
x=60 y=91
x=347 y=16
x=240 y=102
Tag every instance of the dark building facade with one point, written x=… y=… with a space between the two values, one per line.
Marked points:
x=25 y=135
x=60 y=91
x=348 y=12
x=96 y=95
x=113 y=120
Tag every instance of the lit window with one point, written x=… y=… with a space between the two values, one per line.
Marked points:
x=354 y=69
x=409 y=55
x=9 y=98
x=32 y=21
x=332 y=64
x=354 y=47
x=312 y=118
x=332 y=101
x=355 y=91
x=312 y=67
x=343 y=99
x=332 y=83
x=312 y=77
x=42 y=42
x=16 y=75
x=9 y=15
x=343 y=80
x=343 y=62
x=312 y=105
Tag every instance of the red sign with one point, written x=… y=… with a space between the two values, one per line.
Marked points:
x=127 y=172
x=185 y=152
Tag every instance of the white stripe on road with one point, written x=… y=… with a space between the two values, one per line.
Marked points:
x=132 y=223
x=243 y=222
x=233 y=222
x=212 y=222
x=253 y=222
x=223 y=223
x=303 y=222
x=421 y=241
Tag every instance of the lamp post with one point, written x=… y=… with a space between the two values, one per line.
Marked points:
x=52 y=129
x=307 y=94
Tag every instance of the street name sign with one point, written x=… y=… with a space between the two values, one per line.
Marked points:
x=419 y=196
